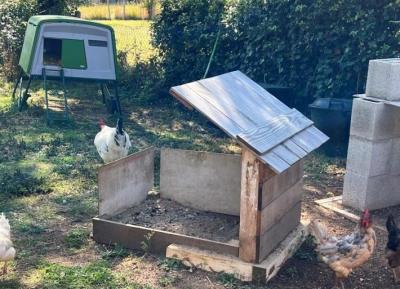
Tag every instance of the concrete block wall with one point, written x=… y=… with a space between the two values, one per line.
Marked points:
x=372 y=177
x=384 y=79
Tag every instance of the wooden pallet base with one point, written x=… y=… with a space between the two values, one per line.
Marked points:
x=212 y=262
x=329 y=204
x=132 y=237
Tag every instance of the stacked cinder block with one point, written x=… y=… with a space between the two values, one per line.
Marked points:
x=372 y=179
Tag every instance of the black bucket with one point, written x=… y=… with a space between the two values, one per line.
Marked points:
x=333 y=116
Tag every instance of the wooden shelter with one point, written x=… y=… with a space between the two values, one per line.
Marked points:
x=262 y=188
x=274 y=138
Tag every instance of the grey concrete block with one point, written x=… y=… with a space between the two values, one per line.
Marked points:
x=355 y=190
x=374 y=120
x=369 y=158
x=395 y=157
x=278 y=184
x=201 y=180
x=125 y=182
x=371 y=192
x=383 y=79
x=383 y=192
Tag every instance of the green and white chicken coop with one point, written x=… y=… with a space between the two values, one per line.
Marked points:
x=62 y=47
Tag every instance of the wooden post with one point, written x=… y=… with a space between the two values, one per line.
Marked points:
x=252 y=175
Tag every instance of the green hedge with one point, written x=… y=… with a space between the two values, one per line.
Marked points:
x=319 y=47
x=14 y=16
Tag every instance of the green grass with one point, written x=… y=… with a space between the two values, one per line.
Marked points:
x=100 y=12
x=133 y=38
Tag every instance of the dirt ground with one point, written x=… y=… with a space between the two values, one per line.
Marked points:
x=167 y=215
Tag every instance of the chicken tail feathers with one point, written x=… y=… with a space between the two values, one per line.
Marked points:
x=120 y=126
x=318 y=231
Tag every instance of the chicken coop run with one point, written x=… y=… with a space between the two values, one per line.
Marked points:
x=254 y=198
x=62 y=47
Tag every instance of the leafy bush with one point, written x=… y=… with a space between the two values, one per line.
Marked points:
x=14 y=16
x=13 y=19
x=320 y=48
x=184 y=33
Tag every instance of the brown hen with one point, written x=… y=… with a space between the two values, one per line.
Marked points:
x=345 y=253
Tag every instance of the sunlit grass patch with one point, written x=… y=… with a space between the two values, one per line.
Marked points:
x=95 y=275
x=100 y=12
x=133 y=38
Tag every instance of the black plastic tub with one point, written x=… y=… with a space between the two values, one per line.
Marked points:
x=333 y=116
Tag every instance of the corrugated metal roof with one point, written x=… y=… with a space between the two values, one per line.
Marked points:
x=280 y=136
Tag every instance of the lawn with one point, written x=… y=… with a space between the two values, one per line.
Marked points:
x=133 y=38
x=49 y=193
x=97 y=12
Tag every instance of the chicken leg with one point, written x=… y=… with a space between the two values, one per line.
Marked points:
x=396 y=273
x=337 y=281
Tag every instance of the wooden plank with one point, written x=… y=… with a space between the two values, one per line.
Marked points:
x=214 y=115
x=310 y=139
x=277 y=164
x=293 y=147
x=249 y=206
x=256 y=90
x=276 y=186
x=125 y=183
x=239 y=98
x=327 y=204
x=276 y=210
x=328 y=200
x=285 y=154
x=271 y=238
x=209 y=261
x=263 y=138
x=274 y=262
x=222 y=103
x=131 y=236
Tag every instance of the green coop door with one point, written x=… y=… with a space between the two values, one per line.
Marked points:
x=73 y=54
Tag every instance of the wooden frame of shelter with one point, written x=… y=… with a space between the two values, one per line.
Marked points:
x=274 y=139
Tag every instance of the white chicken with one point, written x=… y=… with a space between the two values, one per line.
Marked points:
x=112 y=143
x=7 y=251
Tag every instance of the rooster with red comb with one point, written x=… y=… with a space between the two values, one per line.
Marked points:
x=345 y=253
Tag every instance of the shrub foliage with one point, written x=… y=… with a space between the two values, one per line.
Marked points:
x=14 y=16
x=319 y=47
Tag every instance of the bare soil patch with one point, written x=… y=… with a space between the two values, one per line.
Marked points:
x=168 y=215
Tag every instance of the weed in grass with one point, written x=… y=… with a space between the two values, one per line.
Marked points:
x=169 y=264
x=292 y=272
x=110 y=252
x=94 y=275
x=227 y=280
x=145 y=245
x=307 y=250
x=76 y=238
x=20 y=183
x=167 y=280
x=29 y=227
